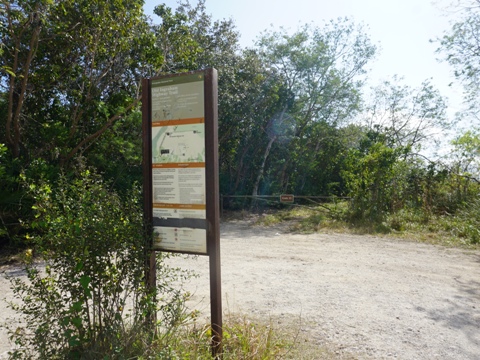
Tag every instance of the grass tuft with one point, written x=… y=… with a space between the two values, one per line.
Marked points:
x=243 y=338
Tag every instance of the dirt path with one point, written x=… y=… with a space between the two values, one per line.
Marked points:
x=371 y=297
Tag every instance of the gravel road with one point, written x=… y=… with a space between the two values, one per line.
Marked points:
x=366 y=297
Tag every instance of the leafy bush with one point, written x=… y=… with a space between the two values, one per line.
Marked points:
x=90 y=301
x=371 y=181
x=11 y=198
x=467 y=222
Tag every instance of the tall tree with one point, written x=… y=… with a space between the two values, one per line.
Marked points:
x=251 y=102
x=408 y=116
x=322 y=67
x=371 y=173
x=466 y=154
x=248 y=91
x=460 y=47
x=71 y=70
x=175 y=40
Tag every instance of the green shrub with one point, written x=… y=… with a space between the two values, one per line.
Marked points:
x=90 y=301
x=13 y=201
x=467 y=222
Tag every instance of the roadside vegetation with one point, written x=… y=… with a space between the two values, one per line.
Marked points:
x=85 y=297
x=432 y=229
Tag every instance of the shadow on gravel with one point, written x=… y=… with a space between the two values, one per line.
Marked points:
x=461 y=313
x=477 y=258
x=472 y=288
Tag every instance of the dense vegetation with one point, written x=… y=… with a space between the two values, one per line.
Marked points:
x=295 y=116
x=293 y=110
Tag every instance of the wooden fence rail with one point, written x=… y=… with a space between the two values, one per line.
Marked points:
x=276 y=199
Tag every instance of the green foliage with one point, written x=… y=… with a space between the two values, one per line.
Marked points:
x=370 y=178
x=313 y=79
x=189 y=39
x=322 y=66
x=247 y=340
x=174 y=39
x=412 y=224
x=252 y=103
x=118 y=156
x=466 y=223
x=75 y=70
x=242 y=339
x=466 y=154
x=14 y=202
x=4 y=191
x=90 y=301
x=409 y=117
x=458 y=47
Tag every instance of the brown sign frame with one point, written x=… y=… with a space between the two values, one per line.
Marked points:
x=212 y=193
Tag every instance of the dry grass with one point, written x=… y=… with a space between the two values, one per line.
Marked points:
x=436 y=230
x=253 y=339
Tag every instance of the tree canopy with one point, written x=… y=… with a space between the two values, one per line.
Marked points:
x=294 y=113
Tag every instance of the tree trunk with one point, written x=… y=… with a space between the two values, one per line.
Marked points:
x=265 y=155
x=262 y=168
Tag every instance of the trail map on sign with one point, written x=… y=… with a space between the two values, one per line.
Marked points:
x=179 y=143
x=178 y=163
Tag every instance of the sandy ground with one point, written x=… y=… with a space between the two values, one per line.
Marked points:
x=372 y=298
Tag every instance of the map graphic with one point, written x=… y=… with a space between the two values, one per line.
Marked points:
x=178 y=143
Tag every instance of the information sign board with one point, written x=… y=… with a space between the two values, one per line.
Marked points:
x=178 y=163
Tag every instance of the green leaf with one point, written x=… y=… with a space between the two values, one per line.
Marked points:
x=77 y=306
x=77 y=322
x=79 y=266
x=85 y=282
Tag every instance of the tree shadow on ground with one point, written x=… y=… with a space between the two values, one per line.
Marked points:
x=461 y=313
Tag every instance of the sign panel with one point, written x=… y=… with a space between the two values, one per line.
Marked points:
x=178 y=163
x=287 y=198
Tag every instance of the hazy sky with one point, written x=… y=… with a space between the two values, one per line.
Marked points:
x=401 y=28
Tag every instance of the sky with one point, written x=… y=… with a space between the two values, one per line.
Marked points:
x=402 y=29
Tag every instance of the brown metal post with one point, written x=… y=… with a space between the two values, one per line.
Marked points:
x=150 y=258
x=213 y=209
